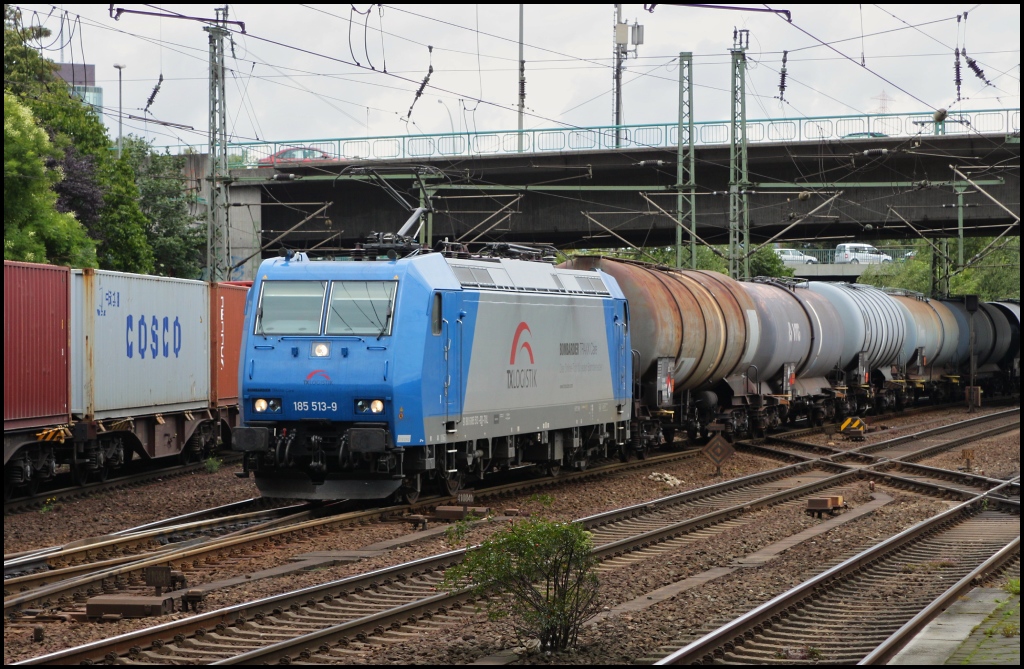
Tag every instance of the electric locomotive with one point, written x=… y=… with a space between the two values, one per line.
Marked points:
x=370 y=378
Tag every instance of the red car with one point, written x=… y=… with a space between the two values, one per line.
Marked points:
x=299 y=154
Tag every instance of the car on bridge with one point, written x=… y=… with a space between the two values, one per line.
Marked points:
x=794 y=257
x=860 y=253
x=298 y=154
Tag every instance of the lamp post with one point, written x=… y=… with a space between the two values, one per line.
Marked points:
x=450 y=121
x=119 y=114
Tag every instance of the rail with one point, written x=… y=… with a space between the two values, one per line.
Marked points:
x=597 y=138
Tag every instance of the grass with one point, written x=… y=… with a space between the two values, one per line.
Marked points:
x=212 y=464
x=49 y=505
x=1012 y=586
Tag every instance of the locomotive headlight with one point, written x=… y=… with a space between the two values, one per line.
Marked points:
x=369 y=406
x=267 y=405
x=321 y=349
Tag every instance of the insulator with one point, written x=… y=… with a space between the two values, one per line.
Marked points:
x=973 y=64
x=782 y=76
x=522 y=88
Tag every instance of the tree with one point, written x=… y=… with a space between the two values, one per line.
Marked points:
x=34 y=230
x=83 y=151
x=545 y=569
x=177 y=239
x=995 y=276
x=766 y=262
x=122 y=228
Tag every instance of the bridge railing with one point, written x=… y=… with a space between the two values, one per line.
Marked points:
x=468 y=144
x=828 y=256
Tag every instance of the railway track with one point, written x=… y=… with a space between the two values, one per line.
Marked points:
x=117 y=564
x=33 y=502
x=340 y=617
x=621 y=537
x=865 y=608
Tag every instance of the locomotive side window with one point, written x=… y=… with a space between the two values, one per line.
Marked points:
x=435 y=315
x=361 y=308
x=290 y=308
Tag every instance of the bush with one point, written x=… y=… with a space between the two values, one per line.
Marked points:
x=545 y=570
x=212 y=464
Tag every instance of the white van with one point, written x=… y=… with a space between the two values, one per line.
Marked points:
x=860 y=253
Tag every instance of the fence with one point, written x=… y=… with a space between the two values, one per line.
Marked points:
x=442 y=145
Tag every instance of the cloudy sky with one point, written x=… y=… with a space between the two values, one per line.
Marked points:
x=303 y=72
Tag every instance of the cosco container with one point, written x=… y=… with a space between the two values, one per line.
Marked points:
x=36 y=371
x=227 y=317
x=140 y=344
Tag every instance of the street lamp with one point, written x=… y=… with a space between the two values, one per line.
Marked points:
x=119 y=114
x=450 y=121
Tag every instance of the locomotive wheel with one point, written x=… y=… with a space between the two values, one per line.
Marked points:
x=450 y=483
x=554 y=471
x=406 y=495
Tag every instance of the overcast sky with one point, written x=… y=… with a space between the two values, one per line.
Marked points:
x=293 y=75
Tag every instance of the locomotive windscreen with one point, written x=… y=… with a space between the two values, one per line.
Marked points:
x=291 y=308
x=361 y=307
x=297 y=308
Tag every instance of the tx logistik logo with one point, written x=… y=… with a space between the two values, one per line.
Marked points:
x=317 y=377
x=522 y=376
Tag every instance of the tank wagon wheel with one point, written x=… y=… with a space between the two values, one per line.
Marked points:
x=625 y=453
x=8 y=490
x=103 y=473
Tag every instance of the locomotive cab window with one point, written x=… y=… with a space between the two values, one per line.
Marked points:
x=290 y=308
x=361 y=308
x=435 y=315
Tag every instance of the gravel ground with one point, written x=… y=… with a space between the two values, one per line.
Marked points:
x=565 y=503
x=120 y=509
x=890 y=427
x=629 y=637
x=997 y=457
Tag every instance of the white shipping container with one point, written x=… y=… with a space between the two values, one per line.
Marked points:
x=139 y=344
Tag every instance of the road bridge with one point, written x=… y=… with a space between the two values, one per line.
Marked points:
x=889 y=185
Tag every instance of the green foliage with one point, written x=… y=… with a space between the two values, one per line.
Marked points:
x=49 y=505
x=995 y=276
x=766 y=262
x=455 y=534
x=178 y=240
x=122 y=228
x=212 y=464
x=1012 y=586
x=34 y=230
x=100 y=192
x=544 y=499
x=545 y=570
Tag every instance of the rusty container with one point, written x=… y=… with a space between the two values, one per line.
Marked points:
x=140 y=344
x=932 y=331
x=36 y=368
x=705 y=322
x=992 y=335
x=227 y=316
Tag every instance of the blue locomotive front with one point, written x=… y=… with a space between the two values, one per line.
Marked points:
x=376 y=378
